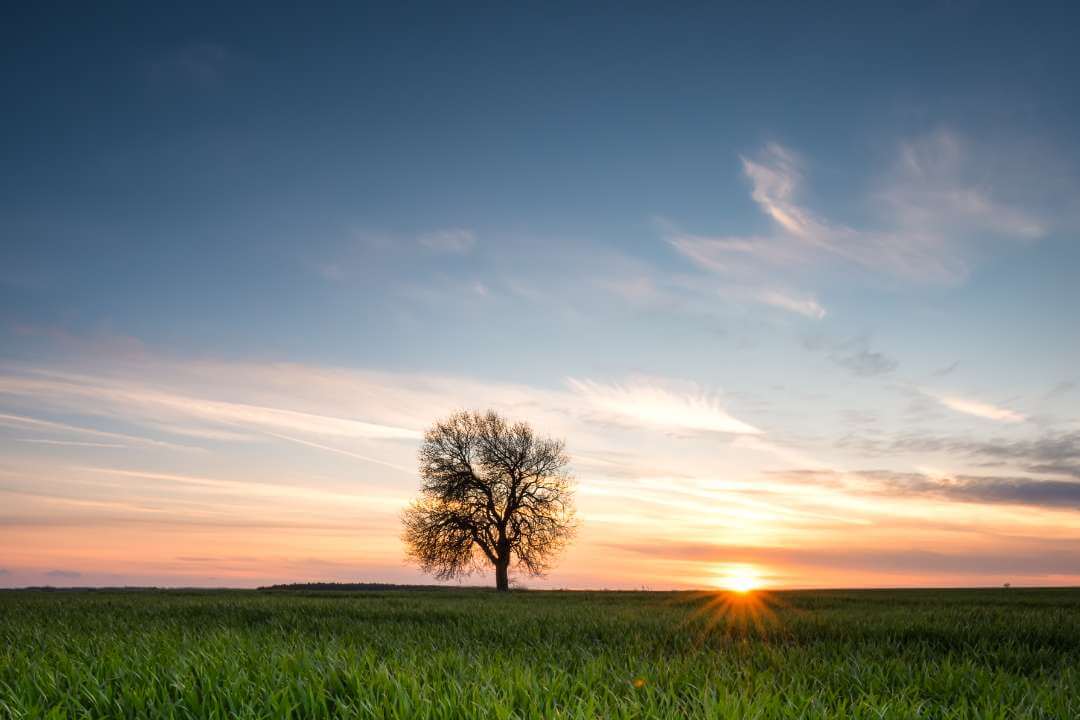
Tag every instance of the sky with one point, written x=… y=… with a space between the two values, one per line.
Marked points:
x=798 y=286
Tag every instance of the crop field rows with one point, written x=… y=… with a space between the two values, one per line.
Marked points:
x=473 y=654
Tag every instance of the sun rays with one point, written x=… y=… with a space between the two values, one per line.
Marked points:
x=735 y=613
x=740 y=607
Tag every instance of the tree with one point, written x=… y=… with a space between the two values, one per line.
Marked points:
x=492 y=492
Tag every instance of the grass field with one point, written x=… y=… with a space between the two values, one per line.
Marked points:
x=876 y=654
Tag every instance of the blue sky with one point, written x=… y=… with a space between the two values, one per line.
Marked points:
x=826 y=256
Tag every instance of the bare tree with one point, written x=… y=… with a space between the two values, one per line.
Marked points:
x=492 y=492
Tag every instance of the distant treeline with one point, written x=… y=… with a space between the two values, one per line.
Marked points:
x=296 y=587
x=120 y=589
x=359 y=586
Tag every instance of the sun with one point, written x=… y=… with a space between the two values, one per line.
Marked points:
x=739 y=579
x=743 y=584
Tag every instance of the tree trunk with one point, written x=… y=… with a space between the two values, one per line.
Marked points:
x=502 y=578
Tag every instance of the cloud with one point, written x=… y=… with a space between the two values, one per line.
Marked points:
x=853 y=355
x=1072 y=470
x=978 y=408
x=946 y=370
x=457 y=241
x=732 y=254
x=930 y=212
x=4 y=571
x=74 y=390
x=252 y=489
x=807 y=306
x=348 y=453
x=303 y=404
x=650 y=404
x=69 y=443
x=1050 y=454
x=776 y=178
x=986 y=489
x=50 y=426
x=1010 y=490
x=248 y=415
x=374 y=259
x=865 y=363
x=934 y=189
x=1059 y=390
x=365 y=414
x=65 y=574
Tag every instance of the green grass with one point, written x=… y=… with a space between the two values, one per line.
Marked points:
x=884 y=654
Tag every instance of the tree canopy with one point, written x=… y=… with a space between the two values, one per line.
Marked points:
x=492 y=492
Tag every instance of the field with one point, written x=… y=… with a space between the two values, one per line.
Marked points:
x=472 y=654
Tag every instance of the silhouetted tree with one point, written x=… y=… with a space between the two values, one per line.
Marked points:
x=492 y=492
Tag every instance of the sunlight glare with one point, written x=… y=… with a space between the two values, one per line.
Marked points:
x=741 y=579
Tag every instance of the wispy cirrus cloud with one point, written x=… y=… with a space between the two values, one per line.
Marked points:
x=930 y=213
x=366 y=415
x=804 y=237
x=71 y=391
x=653 y=405
x=933 y=189
x=58 y=427
x=732 y=255
x=745 y=263
x=340 y=451
x=68 y=443
x=807 y=305
x=374 y=258
x=252 y=488
x=978 y=408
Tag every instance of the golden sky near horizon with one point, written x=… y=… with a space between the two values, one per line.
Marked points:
x=214 y=473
